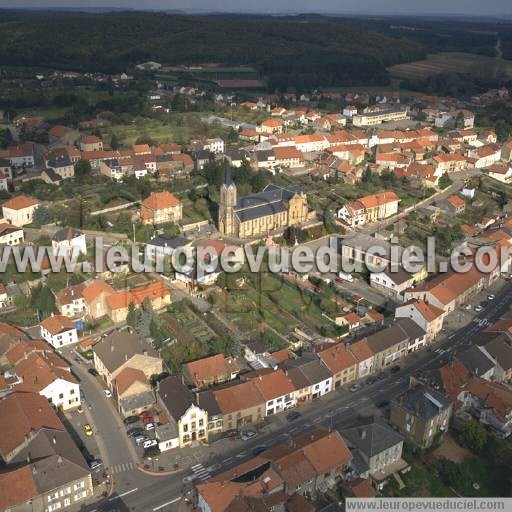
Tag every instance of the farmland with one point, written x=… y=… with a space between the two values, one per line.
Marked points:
x=449 y=62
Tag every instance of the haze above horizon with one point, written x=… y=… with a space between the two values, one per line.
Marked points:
x=371 y=7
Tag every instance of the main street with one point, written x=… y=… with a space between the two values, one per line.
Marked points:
x=141 y=493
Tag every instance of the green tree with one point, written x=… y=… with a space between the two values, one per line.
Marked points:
x=445 y=181
x=43 y=301
x=114 y=142
x=82 y=169
x=473 y=436
x=131 y=317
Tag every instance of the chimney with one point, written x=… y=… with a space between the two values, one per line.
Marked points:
x=363 y=433
x=59 y=460
x=145 y=352
x=126 y=357
x=54 y=440
x=111 y=347
x=34 y=470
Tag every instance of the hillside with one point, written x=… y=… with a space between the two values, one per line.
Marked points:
x=285 y=51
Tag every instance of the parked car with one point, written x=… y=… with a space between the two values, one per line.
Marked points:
x=381 y=376
x=88 y=430
x=345 y=277
x=294 y=415
x=80 y=409
x=355 y=387
x=382 y=403
x=149 y=443
x=140 y=440
x=95 y=464
x=247 y=435
x=130 y=420
x=491 y=296
x=478 y=308
x=484 y=303
x=93 y=372
x=134 y=432
x=371 y=380
x=108 y=393
x=150 y=426
x=394 y=369
x=258 y=450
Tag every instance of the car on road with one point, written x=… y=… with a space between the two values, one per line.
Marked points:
x=134 y=432
x=394 y=369
x=149 y=443
x=382 y=403
x=150 y=426
x=478 y=308
x=108 y=393
x=80 y=409
x=294 y=415
x=140 y=440
x=88 y=430
x=381 y=376
x=371 y=380
x=95 y=464
x=93 y=372
x=355 y=387
x=259 y=450
x=247 y=435
x=130 y=420
x=77 y=360
x=491 y=296
x=484 y=303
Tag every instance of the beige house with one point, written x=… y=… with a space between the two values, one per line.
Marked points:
x=240 y=404
x=10 y=235
x=160 y=208
x=341 y=363
x=178 y=402
x=369 y=209
x=95 y=297
x=123 y=349
x=133 y=392
x=420 y=414
x=91 y=143
x=427 y=316
x=19 y=210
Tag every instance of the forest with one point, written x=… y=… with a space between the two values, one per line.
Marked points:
x=285 y=51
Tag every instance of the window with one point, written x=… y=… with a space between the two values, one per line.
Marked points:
x=61 y=396
x=201 y=423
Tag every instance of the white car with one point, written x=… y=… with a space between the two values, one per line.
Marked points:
x=479 y=308
x=150 y=426
x=248 y=435
x=491 y=296
x=108 y=393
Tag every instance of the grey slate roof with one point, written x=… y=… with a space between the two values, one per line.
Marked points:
x=501 y=349
x=371 y=437
x=54 y=472
x=175 y=396
x=144 y=399
x=206 y=400
x=310 y=367
x=117 y=348
x=169 y=241
x=422 y=402
x=65 y=234
x=403 y=330
x=476 y=361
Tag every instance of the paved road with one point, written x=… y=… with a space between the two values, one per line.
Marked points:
x=164 y=493
x=116 y=450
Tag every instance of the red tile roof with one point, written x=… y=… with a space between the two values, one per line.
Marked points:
x=20 y=202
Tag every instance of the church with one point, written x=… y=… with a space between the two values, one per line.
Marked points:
x=258 y=214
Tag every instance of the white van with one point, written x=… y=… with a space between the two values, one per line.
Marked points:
x=149 y=443
x=346 y=277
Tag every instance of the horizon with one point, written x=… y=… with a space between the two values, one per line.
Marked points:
x=389 y=8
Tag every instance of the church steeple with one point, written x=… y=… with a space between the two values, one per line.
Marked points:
x=227 y=203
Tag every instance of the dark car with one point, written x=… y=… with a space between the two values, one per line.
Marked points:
x=293 y=416
x=381 y=376
x=130 y=420
x=484 y=303
x=258 y=450
x=382 y=403
x=395 y=369
x=95 y=464
x=134 y=432
x=355 y=387
x=371 y=380
x=93 y=372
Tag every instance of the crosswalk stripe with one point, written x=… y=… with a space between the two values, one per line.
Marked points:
x=193 y=468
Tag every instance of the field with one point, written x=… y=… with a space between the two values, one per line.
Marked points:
x=449 y=62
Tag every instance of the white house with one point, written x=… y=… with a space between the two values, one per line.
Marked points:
x=19 y=210
x=427 y=316
x=11 y=235
x=69 y=241
x=48 y=375
x=216 y=146
x=59 y=331
x=277 y=390
x=162 y=246
x=500 y=172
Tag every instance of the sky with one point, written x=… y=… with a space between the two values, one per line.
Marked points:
x=464 y=7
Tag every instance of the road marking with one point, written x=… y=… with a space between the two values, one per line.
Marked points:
x=123 y=494
x=166 y=504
